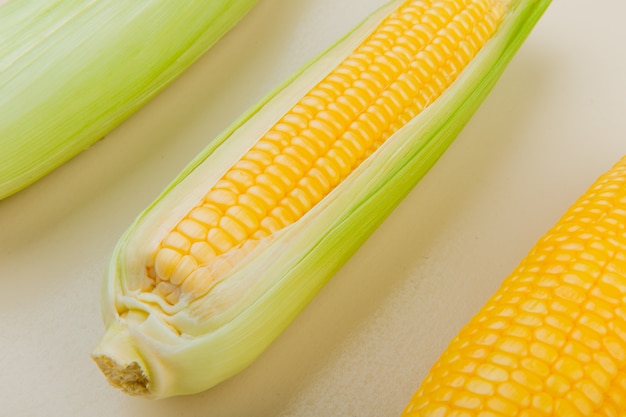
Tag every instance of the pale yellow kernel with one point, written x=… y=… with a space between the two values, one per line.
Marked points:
x=198 y=282
x=604 y=310
x=531 y=320
x=350 y=104
x=612 y=287
x=289 y=204
x=302 y=157
x=221 y=198
x=165 y=262
x=260 y=234
x=343 y=159
x=177 y=241
x=512 y=345
x=233 y=228
x=173 y=297
x=569 y=368
x=476 y=352
x=313 y=139
x=495 y=323
x=280 y=174
x=248 y=166
x=336 y=118
x=581 y=402
x=148 y=283
x=314 y=102
x=278 y=138
x=464 y=366
x=225 y=184
x=503 y=406
x=300 y=108
x=615 y=347
x=564 y=407
x=503 y=359
x=298 y=121
x=192 y=229
x=313 y=187
x=535 y=366
x=577 y=350
x=467 y=400
x=300 y=199
x=504 y=311
x=566 y=307
x=557 y=385
x=544 y=352
x=514 y=392
x=165 y=289
x=221 y=241
x=606 y=293
x=442 y=394
x=593 y=391
x=254 y=204
x=550 y=336
x=548 y=281
x=271 y=225
x=286 y=128
x=203 y=252
x=534 y=306
x=342 y=79
x=207 y=215
x=517 y=331
x=543 y=402
x=283 y=215
x=559 y=322
x=244 y=216
x=485 y=338
x=259 y=157
x=290 y=163
x=270 y=183
x=586 y=337
x=374 y=78
x=480 y=387
x=184 y=267
x=594 y=323
x=263 y=194
x=527 y=380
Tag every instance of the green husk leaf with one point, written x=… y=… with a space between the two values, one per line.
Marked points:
x=72 y=70
x=193 y=346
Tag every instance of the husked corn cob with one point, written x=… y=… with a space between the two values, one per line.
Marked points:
x=238 y=244
x=552 y=340
x=405 y=64
x=72 y=70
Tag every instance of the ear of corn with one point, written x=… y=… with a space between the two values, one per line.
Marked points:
x=552 y=340
x=211 y=273
x=71 y=71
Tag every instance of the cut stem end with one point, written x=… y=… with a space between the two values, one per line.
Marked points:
x=129 y=378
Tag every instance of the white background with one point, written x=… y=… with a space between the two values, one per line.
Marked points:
x=554 y=122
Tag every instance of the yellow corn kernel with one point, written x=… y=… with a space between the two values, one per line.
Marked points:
x=570 y=360
x=341 y=121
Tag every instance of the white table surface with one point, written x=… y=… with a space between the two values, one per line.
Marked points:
x=554 y=122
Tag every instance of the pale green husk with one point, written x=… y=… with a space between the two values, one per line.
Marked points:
x=157 y=350
x=72 y=70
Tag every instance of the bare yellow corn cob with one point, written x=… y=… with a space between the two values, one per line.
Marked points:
x=211 y=273
x=552 y=340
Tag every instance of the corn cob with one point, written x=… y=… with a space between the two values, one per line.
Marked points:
x=552 y=340
x=72 y=70
x=238 y=244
